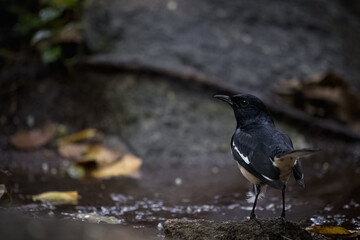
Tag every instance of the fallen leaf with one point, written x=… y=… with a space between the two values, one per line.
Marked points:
x=333 y=231
x=73 y=150
x=88 y=155
x=128 y=165
x=79 y=136
x=98 y=161
x=325 y=96
x=58 y=198
x=34 y=138
x=100 y=155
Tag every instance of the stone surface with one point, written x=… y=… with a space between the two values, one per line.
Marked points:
x=247 y=43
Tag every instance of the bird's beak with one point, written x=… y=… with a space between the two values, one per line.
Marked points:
x=224 y=98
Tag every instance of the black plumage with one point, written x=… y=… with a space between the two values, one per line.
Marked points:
x=265 y=155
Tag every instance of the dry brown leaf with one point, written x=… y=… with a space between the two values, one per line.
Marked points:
x=128 y=166
x=86 y=154
x=58 y=198
x=326 y=96
x=96 y=160
x=333 y=231
x=73 y=150
x=34 y=138
x=79 y=136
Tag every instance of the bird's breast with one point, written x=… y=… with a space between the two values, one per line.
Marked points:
x=251 y=178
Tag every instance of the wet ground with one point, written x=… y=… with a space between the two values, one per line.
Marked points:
x=182 y=134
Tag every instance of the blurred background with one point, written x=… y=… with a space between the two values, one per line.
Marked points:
x=106 y=106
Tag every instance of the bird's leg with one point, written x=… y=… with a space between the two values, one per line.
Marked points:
x=283 y=201
x=257 y=189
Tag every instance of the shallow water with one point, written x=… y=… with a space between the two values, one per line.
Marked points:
x=212 y=192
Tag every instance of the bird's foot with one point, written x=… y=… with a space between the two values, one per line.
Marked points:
x=253 y=217
x=282 y=218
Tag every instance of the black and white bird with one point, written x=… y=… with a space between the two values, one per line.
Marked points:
x=265 y=155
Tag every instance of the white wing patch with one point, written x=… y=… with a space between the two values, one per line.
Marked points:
x=241 y=155
x=267 y=178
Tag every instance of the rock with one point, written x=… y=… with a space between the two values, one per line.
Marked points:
x=251 y=229
x=250 y=44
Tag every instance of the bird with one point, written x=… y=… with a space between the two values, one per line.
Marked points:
x=264 y=154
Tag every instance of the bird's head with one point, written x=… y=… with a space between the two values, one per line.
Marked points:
x=248 y=109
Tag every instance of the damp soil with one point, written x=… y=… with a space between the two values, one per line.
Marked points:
x=182 y=135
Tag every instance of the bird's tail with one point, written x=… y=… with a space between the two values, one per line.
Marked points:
x=297 y=168
x=300 y=153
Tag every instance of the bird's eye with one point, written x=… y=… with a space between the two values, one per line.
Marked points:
x=244 y=102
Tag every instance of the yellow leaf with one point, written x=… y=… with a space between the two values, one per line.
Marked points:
x=89 y=153
x=100 y=155
x=128 y=165
x=95 y=160
x=332 y=231
x=58 y=198
x=79 y=136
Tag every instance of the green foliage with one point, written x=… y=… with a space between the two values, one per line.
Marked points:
x=27 y=22
x=50 y=26
x=51 y=54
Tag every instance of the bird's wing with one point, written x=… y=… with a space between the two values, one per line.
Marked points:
x=278 y=143
x=252 y=156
